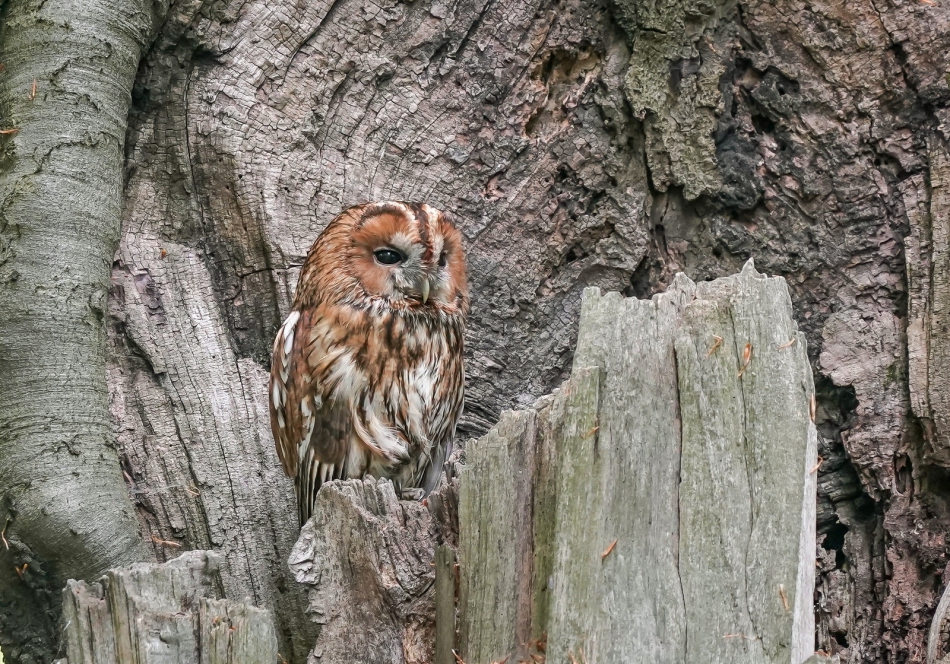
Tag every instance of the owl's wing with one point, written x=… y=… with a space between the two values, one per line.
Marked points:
x=450 y=399
x=311 y=429
x=323 y=454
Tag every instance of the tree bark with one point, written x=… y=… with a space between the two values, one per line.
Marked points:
x=65 y=94
x=241 y=147
x=366 y=559
x=579 y=143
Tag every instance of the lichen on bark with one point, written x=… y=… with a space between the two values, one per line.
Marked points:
x=672 y=84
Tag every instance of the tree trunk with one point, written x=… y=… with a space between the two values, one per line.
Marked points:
x=65 y=93
x=579 y=143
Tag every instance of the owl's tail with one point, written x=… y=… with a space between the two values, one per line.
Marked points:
x=311 y=475
x=432 y=472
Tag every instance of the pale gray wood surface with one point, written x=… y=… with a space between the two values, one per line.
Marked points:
x=232 y=632
x=672 y=490
x=638 y=592
x=494 y=593
x=936 y=639
x=747 y=490
x=169 y=613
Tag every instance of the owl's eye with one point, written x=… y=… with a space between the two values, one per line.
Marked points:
x=388 y=256
x=442 y=259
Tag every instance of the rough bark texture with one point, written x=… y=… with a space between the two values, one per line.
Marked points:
x=65 y=93
x=579 y=143
x=253 y=123
x=660 y=507
x=168 y=613
x=367 y=560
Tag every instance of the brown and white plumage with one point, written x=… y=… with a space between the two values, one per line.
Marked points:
x=366 y=373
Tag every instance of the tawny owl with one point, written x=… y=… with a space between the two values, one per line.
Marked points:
x=366 y=374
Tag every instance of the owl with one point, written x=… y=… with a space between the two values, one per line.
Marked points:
x=367 y=374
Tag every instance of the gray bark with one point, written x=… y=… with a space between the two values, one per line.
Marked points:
x=65 y=512
x=240 y=150
x=579 y=143
x=367 y=561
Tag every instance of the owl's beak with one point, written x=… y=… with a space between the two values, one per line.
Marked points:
x=425 y=289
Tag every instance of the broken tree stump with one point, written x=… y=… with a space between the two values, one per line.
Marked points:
x=367 y=559
x=660 y=506
x=171 y=613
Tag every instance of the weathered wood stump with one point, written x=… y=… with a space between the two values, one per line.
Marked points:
x=367 y=559
x=164 y=614
x=659 y=507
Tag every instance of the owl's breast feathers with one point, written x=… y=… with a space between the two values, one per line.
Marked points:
x=356 y=391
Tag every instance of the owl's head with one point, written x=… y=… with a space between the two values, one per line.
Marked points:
x=406 y=255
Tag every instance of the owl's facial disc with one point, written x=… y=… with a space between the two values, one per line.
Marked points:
x=408 y=254
x=418 y=279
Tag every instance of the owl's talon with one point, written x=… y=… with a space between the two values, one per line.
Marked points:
x=413 y=494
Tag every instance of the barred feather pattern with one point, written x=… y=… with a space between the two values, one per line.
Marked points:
x=367 y=375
